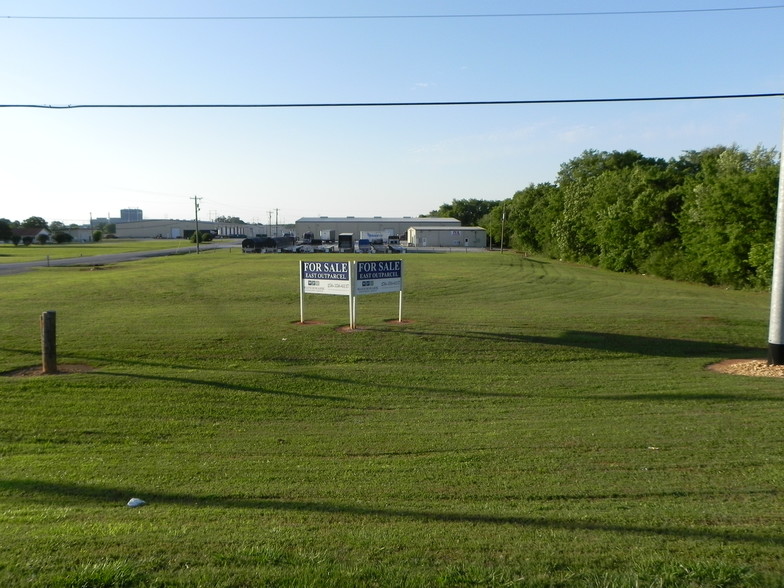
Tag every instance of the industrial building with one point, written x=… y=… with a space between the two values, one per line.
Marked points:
x=360 y=227
x=438 y=236
x=179 y=229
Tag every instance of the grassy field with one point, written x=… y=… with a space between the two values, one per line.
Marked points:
x=10 y=253
x=532 y=423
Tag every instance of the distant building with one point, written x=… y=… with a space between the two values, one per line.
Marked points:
x=364 y=225
x=183 y=229
x=30 y=234
x=430 y=236
x=131 y=215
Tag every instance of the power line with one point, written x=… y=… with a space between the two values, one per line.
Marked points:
x=402 y=104
x=407 y=16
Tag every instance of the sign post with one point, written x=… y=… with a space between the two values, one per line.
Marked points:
x=378 y=277
x=350 y=279
x=49 y=342
x=325 y=277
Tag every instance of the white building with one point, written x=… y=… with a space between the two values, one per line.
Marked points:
x=179 y=229
x=435 y=236
x=375 y=224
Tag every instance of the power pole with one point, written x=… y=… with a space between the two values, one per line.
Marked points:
x=276 y=222
x=503 y=221
x=198 y=235
x=776 y=325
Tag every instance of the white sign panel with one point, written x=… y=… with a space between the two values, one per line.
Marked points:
x=377 y=277
x=326 y=277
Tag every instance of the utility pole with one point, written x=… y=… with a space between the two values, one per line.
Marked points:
x=269 y=223
x=776 y=326
x=503 y=221
x=276 y=222
x=198 y=235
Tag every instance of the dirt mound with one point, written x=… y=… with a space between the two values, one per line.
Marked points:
x=63 y=369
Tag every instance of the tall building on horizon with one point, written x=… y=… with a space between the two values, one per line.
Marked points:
x=131 y=215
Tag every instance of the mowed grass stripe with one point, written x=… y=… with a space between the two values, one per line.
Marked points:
x=542 y=424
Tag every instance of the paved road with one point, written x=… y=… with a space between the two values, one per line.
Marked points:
x=16 y=268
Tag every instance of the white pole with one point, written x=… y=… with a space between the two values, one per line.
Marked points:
x=776 y=328
x=503 y=221
x=352 y=299
x=400 y=301
x=301 y=296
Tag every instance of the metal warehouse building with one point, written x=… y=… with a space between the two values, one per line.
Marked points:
x=375 y=224
x=177 y=229
x=436 y=236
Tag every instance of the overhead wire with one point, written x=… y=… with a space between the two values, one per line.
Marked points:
x=408 y=16
x=406 y=104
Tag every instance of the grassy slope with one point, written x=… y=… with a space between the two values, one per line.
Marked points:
x=536 y=423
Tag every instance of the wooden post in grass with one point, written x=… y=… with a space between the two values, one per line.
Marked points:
x=49 y=342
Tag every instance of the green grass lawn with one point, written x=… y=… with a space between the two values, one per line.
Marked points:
x=531 y=423
x=10 y=253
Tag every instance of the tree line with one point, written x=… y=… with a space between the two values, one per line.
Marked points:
x=707 y=216
x=58 y=230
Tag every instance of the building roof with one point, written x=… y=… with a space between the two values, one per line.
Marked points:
x=377 y=219
x=432 y=228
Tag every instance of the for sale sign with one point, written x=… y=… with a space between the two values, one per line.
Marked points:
x=326 y=277
x=377 y=277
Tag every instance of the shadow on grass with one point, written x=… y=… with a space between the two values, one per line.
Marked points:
x=319 y=381
x=617 y=343
x=38 y=490
x=222 y=385
x=685 y=395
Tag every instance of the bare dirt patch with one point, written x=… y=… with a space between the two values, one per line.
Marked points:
x=348 y=329
x=748 y=367
x=307 y=322
x=397 y=322
x=62 y=370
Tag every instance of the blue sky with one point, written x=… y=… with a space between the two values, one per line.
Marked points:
x=383 y=161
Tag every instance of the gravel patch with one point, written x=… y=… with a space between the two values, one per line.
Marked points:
x=748 y=367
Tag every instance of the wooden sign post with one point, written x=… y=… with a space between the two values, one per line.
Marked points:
x=49 y=342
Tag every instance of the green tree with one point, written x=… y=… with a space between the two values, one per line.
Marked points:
x=6 y=234
x=230 y=220
x=42 y=238
x=34 y=222
x=61 y=237
x=530 y=218
x=592 y=163
x=97 y=235
x=204 y=237
x=468 y=211
x=728 y=217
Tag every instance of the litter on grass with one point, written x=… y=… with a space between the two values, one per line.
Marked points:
x=136 y=502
